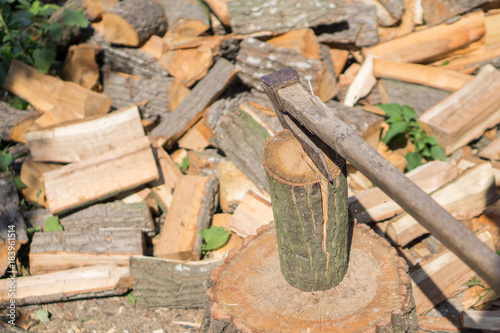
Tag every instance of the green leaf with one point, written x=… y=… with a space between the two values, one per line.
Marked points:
x=132 y=298
x=5 y=160
x=413 y=160
x=18 y=182
x=35 y=7
x=394 y=119
x=215 y=237
x=31 y=230
x=75 y=17
x=44 y=59
x=438 y=153
x=23 y=18
x=42 y=315
x=184 y=164
x=408 y=112
x=54 y=30
x=474 y=281
x=394 y=130
x=391 y=110
x=52 y=224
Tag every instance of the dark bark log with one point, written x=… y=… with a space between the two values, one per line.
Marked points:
x=437 y=11
x=9 y=116
x=186 y=9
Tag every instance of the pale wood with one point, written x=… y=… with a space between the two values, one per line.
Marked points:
x=464 y=197
x=153 y=46
x=85 y=139
x=425 y=75
x=198 y=137
x=302 y=40
x=32 y=176
x=95 y=8
x=9 y=119
x=80 y=66
x=235 y=241
x=491 y=151
x=251 y=279
x=441 y=324
x=252 y=213
x=124 y=167
x=56 y=251
x=481 y=320
x=233 y=186
x=26 y=124
x=491 y=218
x=362 y=83
x=71 y=284
x=169 y=173
x=339 y=58
x=209 y=204
x=188 y=65
x=219 y=8
x=177 y=92
x=437 y=278
x=58 y=100
x=467 y=113
x=425 y=44
x=177 y=238
x=373 y=205
x=477 y=296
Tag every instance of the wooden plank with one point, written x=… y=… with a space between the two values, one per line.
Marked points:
x=70 y=284
x=428 y=43
x=464 y=197
x=85 y=139
x=57 y=99
x=467 y=113
x=122 y=168
x=56 y=251
x=420 y=74
x=252 y=213
x=191 y=109
x=441 y=324
x=481 y=320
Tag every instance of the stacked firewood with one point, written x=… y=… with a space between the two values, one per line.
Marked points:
x=155 y=130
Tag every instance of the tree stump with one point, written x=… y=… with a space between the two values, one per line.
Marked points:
x=249 y=293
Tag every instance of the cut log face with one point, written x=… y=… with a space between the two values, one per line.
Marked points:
x=375 y=294
x=312 y=224
x=80 y=66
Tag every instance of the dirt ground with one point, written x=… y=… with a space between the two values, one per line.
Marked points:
x=113 y=315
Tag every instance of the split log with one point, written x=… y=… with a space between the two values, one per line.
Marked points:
x=252 y=213
x=439 y=277
x=171 y=283
x=219 y=8
x=58 y=100
x=80 y=66
x=360 y=28
x=177 y=93
x=169 y=173
x=410 y=17
x=186 y=9
x=95 y=8
x=125 y=25
x=310 y=214
x=188 y=65
x=431 y=42
x=373 y=205
x=436 y=11
x=441 y=324
x=85 y=139
x=124 y=167
x=481 y=320
x=339 y=58
x=254 y=17
x=198 y=137
x=178 y=235
x=9 y=118
x=153 y=46
x=467 y=113
x=362 y=84
x=233 y=186
x=61 y=250
x=491 y=151
x=257 y=58
x=67 y=285
x=476 y=296
x=12 y=227
x=191 y=109
x=257 y=285
x=143 y=196
x=464 y=197
x=420 y=74
x=32 y=176
x=241 y=131
x=384 y=16
x=26 y=124
x=235 y=241
x=126 y=90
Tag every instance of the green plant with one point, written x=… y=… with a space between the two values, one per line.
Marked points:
x=132 y=298
x=27 y=33
x=215 y=237
x=52 y=224
x=184 y=164
x=404 y=126
x=5 y=162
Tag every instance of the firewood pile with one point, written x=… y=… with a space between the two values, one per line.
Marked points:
x=155 y=127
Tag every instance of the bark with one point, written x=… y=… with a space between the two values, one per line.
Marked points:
x=9 y=116
x=436 y=11
x=186 y=9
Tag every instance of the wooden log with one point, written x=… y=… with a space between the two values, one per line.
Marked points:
x=85 y=139
x=242 y=131
x=176 y=93
x=252 y=213
x=80 y=66
x=420 y=74
x=171 y=283
x=124 y=167
x=481 y=320
x=124 y=25
x=339 y=58
x=198 y=137
x=153 y=46
x=491 y=151
x=254 y=17
x=257 y=58
x=437 y=278
x=476 y=297
x=9 y=118
x=273 y=302
x=24 y=125
x=209 y=204
x=360 y=28
x=149 y=94
x=362 y=83
x=409 y=19
x=95 y=8
x=436 y=11
x=169 y=173
x=219 y=8
x=454 y=125
x=185 y=9
x=70 y=284
x=32 y=176
x=12 y=227
x=441 y=324
x=177 y=237
x=191 y=109
x=431 y=42
x=58 y=100
x=464 y=197
x=373 y=205
x=56 y=251
x=309 y=231
x=188 y=65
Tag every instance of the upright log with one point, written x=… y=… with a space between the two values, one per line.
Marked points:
x=312 y=225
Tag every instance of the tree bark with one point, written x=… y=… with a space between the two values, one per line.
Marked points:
x=9 y=116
